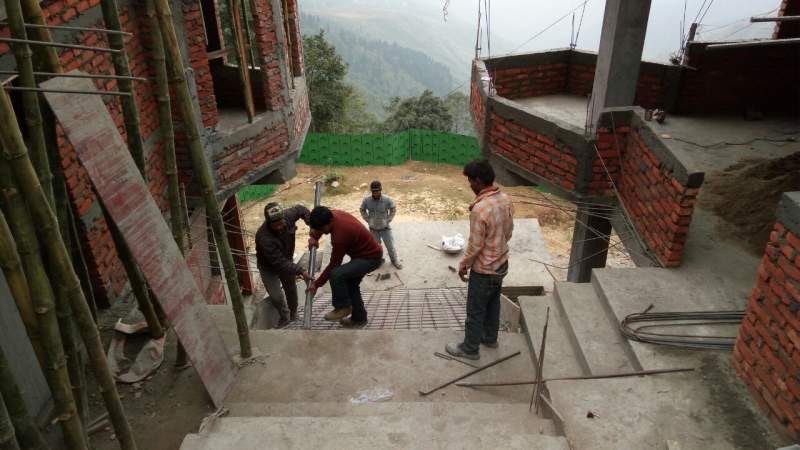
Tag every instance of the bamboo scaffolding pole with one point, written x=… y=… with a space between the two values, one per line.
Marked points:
x=48 y=57
x=8 y=439
x=18 y=286
x=41 y=291
x=30 y=102
x=129 y=112
x=75 y=75
x=28 y=434
x=63 y=28
x=17 y=159
x=244 y=67
x=202 y=170
x=83 y=269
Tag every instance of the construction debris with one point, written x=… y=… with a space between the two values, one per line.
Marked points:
x=468 y=374
x=584 y=377
x=452 y=358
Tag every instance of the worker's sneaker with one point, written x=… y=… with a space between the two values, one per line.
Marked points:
x=490 y=344
x=338 y=314
x=456 y=349
x=282 y=323
x=350 y=323
x=397 y=265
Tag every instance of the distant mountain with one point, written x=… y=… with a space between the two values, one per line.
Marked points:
x=380 y=70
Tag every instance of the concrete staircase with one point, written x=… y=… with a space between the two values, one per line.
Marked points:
x=302 y=395
x=689 y=410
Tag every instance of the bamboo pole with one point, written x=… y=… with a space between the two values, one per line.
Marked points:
x=30 y=103
x=8 y=439
x=202 y=169
x=18 y=285
x=129 y=112
x=30 y=438
x=16 y=156
x=244 y=67
x=41 y=292
x=80 y=261
x=48 y=57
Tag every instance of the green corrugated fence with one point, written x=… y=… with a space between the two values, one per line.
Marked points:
x=328 y=149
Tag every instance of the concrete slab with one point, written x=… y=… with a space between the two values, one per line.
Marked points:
x=564 y=107
x=707 y=409
x=424 y=267
x=598 y=338
x=561 y=357
x=334 y=366
x=628 y=291
x=372 y=439
x=460 y=424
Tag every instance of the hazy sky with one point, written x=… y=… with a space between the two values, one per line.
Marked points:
x=518 y=20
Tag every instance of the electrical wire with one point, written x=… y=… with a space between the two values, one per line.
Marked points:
x=549 y=26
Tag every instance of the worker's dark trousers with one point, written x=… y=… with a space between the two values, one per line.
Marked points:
x=346 y=285
x=483 y=309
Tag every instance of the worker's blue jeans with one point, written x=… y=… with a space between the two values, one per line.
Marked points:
x=483 y=309
x=346 y=285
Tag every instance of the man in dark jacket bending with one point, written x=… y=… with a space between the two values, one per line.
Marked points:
x=275 y=256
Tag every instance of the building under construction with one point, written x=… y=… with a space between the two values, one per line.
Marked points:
x=129 y=126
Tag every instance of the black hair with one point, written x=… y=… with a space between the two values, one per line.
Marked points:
x=320 y=216
x=481 y=170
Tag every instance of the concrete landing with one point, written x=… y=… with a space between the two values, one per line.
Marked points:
x=596 y=336
x=561 y=357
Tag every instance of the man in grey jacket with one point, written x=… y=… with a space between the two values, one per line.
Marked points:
x=378 y=211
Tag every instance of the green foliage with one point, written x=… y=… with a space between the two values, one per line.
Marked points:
x=327 y=91
x=426 y=112
x=457 y=104
x=256 y=192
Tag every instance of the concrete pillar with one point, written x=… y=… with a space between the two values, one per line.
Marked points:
x=617 y=70
x=589 y=243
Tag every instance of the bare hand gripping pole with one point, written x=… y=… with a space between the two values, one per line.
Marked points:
x=312 y=265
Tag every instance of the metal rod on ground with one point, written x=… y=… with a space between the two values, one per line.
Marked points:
x=202 y=170
x=18 y=162
x=537 y=389
x=585 y=377
x=450 y=358
x=312 y=265
x=8 y=439
x=468 y=374
x=63 y=28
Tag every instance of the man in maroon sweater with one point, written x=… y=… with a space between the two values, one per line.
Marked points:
x=348 y=237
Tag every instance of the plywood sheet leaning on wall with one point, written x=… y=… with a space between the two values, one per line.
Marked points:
x=104 y=155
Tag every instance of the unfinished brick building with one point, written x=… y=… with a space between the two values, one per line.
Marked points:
x=241 y=152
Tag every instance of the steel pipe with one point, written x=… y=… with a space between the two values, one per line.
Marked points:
x=63 y=28
x=65 y=91
x=76 y=75
x=58 y=44
x=312 y=265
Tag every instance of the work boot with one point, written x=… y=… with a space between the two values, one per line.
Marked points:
x=350 y=323
x=457 y=350
x=338 y=314
x=490 y=344
x=397 y=265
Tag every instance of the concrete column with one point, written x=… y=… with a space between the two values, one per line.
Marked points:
x=617 y=70
x=589 y=244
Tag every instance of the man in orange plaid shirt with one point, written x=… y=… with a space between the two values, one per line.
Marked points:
x=491 y=222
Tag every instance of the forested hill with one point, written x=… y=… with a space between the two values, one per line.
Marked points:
x=380 y=70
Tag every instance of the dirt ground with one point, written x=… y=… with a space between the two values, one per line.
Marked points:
x=423 y=192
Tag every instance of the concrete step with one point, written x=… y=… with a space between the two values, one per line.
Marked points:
x=561 y=358
x=596 y=335
x=627 y=291
x=458 y=424
x=372 y=439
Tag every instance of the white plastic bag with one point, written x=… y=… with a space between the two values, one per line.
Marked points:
x=373 y=395
x=453 y=244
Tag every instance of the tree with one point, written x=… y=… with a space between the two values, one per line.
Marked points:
x=327 y=91
x=426 y=112
x=458 y=104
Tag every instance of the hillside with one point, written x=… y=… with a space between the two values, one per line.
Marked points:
x=381 y=70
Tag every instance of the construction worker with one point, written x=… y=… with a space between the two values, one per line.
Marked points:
x=275 y=257
x=491 y=222
x=378 y=211
x=348 y=237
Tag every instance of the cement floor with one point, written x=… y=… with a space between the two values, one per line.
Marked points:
x=567 y=108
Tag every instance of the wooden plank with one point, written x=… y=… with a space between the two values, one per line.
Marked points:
x=104 y=155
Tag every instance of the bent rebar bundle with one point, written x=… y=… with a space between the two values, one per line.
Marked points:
x=648 y=321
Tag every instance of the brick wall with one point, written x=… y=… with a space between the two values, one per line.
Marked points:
x=530 y=81
x=477 y=101
x=659 y=202
x=269 y=49
x=296 y=38
x=238 y=160
x=198 y=58
x=767 y=351
x=536 y=152
x=787 y=30
x=302 y=115
x=606 y=163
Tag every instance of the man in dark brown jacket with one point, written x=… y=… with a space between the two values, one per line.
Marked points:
x=275 y=255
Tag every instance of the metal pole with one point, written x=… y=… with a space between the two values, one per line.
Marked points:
x=766 y=42
x=58 y=44
x=775 y=19
x=64 y=91
x=312 y=265
x=75 y=75
x=54 y=27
